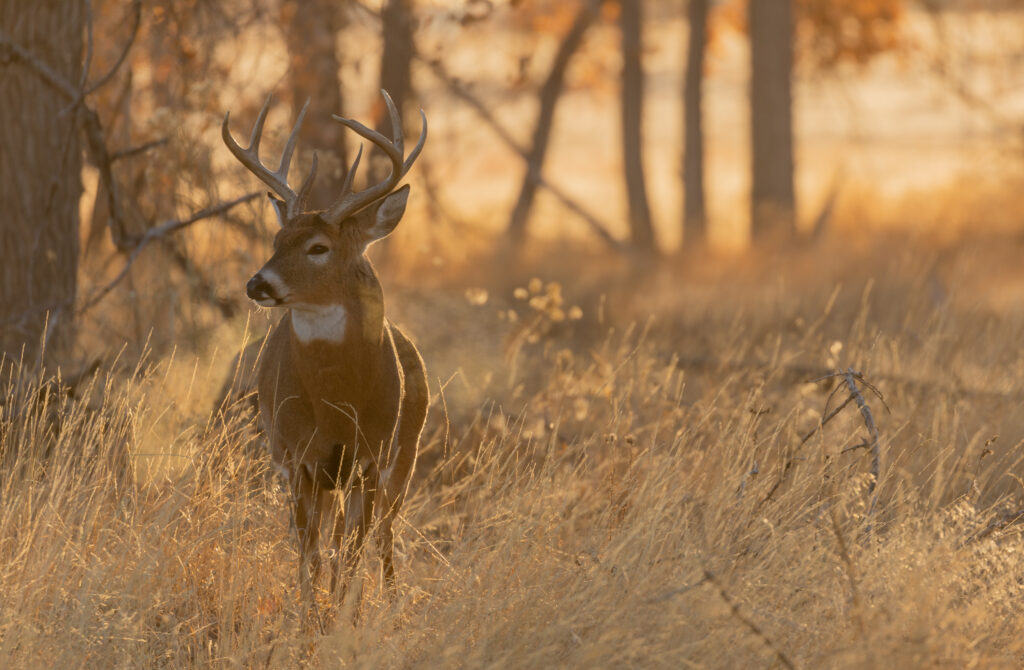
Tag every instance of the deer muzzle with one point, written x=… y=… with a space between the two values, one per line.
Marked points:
x=261 y=291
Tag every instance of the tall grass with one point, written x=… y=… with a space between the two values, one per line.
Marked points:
x=592 y=492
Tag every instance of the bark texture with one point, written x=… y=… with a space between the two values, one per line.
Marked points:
x=40 y=176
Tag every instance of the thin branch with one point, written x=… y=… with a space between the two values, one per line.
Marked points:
x=48 y=74
x=134 y=151
x=460 y=92
x=156 y=233
x=753 y=627
x=679 y=590
x=850 y=377
x=96 y=140
x=791 y=461
x=87 y=63
x=136 y=22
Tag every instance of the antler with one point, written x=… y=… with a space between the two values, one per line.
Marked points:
x=278 y=179
x=349 y=203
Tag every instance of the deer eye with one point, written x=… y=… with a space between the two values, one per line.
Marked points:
x=317 y=249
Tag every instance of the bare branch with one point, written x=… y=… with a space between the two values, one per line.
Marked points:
x=134 y=151
x=136 y=8
x=869 y=421
x=788 y=465
x=88 y=46
x=156 y=233
x=460 y=91
x=48 y=74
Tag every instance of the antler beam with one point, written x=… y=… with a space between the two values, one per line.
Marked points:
x=276 y=179
x=349 y=203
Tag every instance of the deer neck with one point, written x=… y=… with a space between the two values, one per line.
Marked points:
x=349 y=329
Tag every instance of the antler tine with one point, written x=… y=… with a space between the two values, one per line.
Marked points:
x=307 y=186
x=257 y=129
x=348 y=203
x=415 y=153
x=346 y=187
x=397 y=137
x=277 y=179
x=289 y=147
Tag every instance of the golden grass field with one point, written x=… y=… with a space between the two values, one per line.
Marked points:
x=602 y=480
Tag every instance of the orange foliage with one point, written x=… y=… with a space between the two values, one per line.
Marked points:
x=830 y=32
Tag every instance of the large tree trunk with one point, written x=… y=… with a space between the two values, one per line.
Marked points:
x=641 y=231
x=315 y=75
x=694 y=215
x=773 y=203
x=40 y=177
x=549 y=94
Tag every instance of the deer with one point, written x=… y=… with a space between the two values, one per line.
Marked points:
x=342 y=391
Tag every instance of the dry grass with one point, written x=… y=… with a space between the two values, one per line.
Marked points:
x=593 y=491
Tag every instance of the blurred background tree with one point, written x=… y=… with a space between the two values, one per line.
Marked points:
x=311 y=29
x=694 y=211
x=552 y=122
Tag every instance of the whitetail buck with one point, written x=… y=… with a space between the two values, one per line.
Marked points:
x=342 y=391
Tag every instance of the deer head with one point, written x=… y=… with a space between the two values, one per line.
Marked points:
x=316 y=252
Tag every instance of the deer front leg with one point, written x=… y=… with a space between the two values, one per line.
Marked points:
x=350 y=530
x=309 y=510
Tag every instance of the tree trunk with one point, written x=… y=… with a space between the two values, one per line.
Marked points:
x=773 y=203
x=549 y=94
x=632 y=138
x=315 y=75
x=41 y=185
x=694 y=215
x=395 y=67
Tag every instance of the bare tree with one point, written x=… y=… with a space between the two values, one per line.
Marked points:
x=315 y=70
x=549 y=94
x=773 y=202
x=641 y=230
x=694 y=215
x=41 y=164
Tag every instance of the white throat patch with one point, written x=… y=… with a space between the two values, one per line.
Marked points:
x=325 y=323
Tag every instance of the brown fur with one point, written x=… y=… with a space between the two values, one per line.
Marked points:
x=341 y=414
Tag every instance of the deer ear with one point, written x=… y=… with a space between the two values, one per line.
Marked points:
x=279 y=207
x=387 y=215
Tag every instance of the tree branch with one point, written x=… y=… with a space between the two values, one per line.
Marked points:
x=136 y=22
x=155 y=233
x=599 y=228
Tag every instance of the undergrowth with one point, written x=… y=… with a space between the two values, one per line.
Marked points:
x=598 y=487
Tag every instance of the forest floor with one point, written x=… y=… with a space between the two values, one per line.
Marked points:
x=618 y=469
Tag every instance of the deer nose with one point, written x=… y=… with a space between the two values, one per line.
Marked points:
x=259 y=288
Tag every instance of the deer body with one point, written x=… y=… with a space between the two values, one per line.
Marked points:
x=342 y=392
